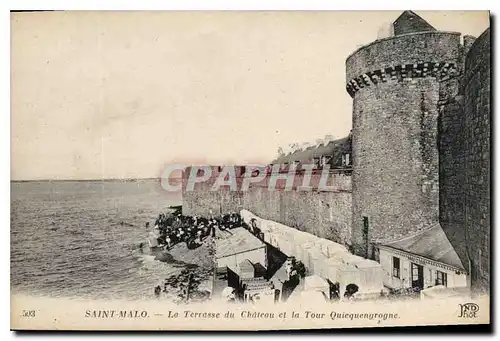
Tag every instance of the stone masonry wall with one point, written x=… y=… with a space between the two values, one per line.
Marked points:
x=477 y=160
x=395 y=160
x=203 y=202
x=326 y=214
x=451 y=159
x=396 y=85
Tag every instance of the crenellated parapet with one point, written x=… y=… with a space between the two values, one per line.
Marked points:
x=408 y=56
x=405 y=72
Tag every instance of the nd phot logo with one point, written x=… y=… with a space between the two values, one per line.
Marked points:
x=468 y=310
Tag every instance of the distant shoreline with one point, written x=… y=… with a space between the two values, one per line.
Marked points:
x=90 y=180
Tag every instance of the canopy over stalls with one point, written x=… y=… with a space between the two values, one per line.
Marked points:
x=317 y=283
x=321 y=257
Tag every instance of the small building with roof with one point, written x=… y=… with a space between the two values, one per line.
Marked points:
x=258 y=290
x=422 y=260
x=239 y=248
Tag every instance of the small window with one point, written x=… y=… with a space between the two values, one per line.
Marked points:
x=441 y=278
x=346 y=160
x=325 y=159
x=366 y=225
x=396 y=267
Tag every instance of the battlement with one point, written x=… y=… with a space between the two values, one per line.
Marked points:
x=407 y=72
x=390 y=54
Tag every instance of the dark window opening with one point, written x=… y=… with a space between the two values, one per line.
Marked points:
x=365 y=234
x=396 y=267
x=441 y=278
x=346 y=159
x=325 y=160
x=316 y=162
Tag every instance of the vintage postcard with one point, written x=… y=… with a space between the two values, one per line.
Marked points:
x=206 y=170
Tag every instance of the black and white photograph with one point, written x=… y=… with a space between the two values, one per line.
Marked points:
x=249 y=170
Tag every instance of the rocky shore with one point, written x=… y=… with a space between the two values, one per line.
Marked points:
x=193 y=281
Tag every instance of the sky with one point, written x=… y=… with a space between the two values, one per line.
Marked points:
x=123 y=94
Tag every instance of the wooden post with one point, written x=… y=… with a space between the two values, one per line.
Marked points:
x=188 y=287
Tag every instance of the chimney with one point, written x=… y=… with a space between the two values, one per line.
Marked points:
x=328 y=139
x=293 y=147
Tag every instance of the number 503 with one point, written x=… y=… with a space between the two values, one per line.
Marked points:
x=28 y=313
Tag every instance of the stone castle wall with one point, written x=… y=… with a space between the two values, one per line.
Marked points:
x=477 y=159
x=326 y=214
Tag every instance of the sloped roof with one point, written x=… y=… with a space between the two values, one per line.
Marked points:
x=411 y=22
x=333 y=148
x=236 y=241
x=315 y=281
x=432 y=244
x=256 y=284
x=246 y=265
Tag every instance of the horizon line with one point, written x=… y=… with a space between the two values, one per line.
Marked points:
x=91 y=179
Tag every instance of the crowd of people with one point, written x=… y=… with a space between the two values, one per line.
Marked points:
x=173 y=228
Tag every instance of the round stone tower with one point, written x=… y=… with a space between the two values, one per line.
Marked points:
x=395 y=86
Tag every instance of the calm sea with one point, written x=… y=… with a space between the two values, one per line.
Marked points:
x=67 y=239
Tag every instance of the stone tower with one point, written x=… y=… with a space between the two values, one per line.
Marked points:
x=399 y=85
